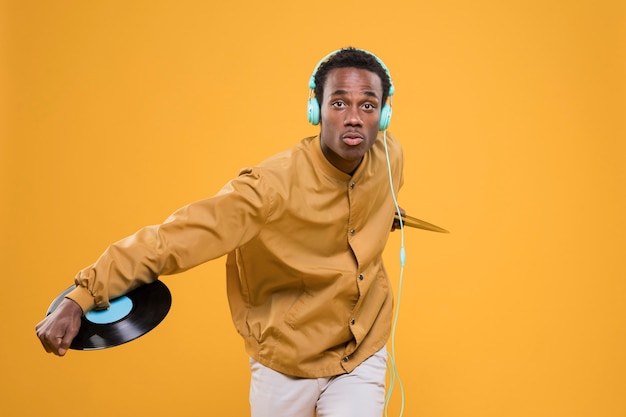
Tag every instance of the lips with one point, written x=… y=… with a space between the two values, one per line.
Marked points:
x=352 y=138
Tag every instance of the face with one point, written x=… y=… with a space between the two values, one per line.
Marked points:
x=350 y=116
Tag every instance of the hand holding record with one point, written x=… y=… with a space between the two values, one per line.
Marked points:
x=60 y=327
x=128 y=317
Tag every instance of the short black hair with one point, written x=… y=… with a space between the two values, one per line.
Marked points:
x=351 y=58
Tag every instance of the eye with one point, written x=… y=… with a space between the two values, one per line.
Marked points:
x=338 y=104
x=369 y=106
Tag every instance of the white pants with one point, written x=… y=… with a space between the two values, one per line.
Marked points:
x=360 y=393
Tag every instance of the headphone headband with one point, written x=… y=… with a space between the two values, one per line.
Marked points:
x=312 y=83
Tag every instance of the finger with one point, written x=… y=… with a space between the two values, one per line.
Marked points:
x=45 y=345
x=42 y=337
x=49 y=344
x=65 y=343
x=56 y=346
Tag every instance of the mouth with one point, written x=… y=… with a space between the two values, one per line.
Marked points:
x=352 y=138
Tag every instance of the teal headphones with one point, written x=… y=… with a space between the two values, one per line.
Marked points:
x=313 y=107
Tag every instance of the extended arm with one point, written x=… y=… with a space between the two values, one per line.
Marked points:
x=194 y=234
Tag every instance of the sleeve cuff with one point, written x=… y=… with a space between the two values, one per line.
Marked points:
x=82 y=297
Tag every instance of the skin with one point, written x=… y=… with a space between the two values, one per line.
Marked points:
x=350 y=116
x=58 y=329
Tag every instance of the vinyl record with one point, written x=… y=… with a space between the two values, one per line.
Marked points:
x=129 y=317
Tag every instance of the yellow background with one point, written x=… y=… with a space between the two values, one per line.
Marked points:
x=512 y=115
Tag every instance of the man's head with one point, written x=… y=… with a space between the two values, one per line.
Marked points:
x=351 y=58
x=351 y=89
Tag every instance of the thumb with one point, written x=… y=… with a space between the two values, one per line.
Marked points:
x=70 y=333
x=65 y=344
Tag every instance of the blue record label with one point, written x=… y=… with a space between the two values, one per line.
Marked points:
x=119 y=308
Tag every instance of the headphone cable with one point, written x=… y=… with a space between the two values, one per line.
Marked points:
x=391 y=365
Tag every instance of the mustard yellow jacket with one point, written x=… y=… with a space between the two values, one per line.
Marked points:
x=306 y=284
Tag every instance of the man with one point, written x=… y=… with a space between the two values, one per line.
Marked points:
x=304 y=232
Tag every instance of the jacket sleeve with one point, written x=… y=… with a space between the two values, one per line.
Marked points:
x=194 y=234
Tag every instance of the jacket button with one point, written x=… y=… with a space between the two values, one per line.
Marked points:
x=361 y=277
x=352 y=185
x=352 y=321
x=345 y=359
x=352 y=231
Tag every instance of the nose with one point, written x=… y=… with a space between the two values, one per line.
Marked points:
x=352 y=117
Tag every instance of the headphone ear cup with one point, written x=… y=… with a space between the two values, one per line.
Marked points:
x=313 y=110
x=385 y=117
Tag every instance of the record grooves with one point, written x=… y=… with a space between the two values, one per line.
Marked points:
x=129 y=317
